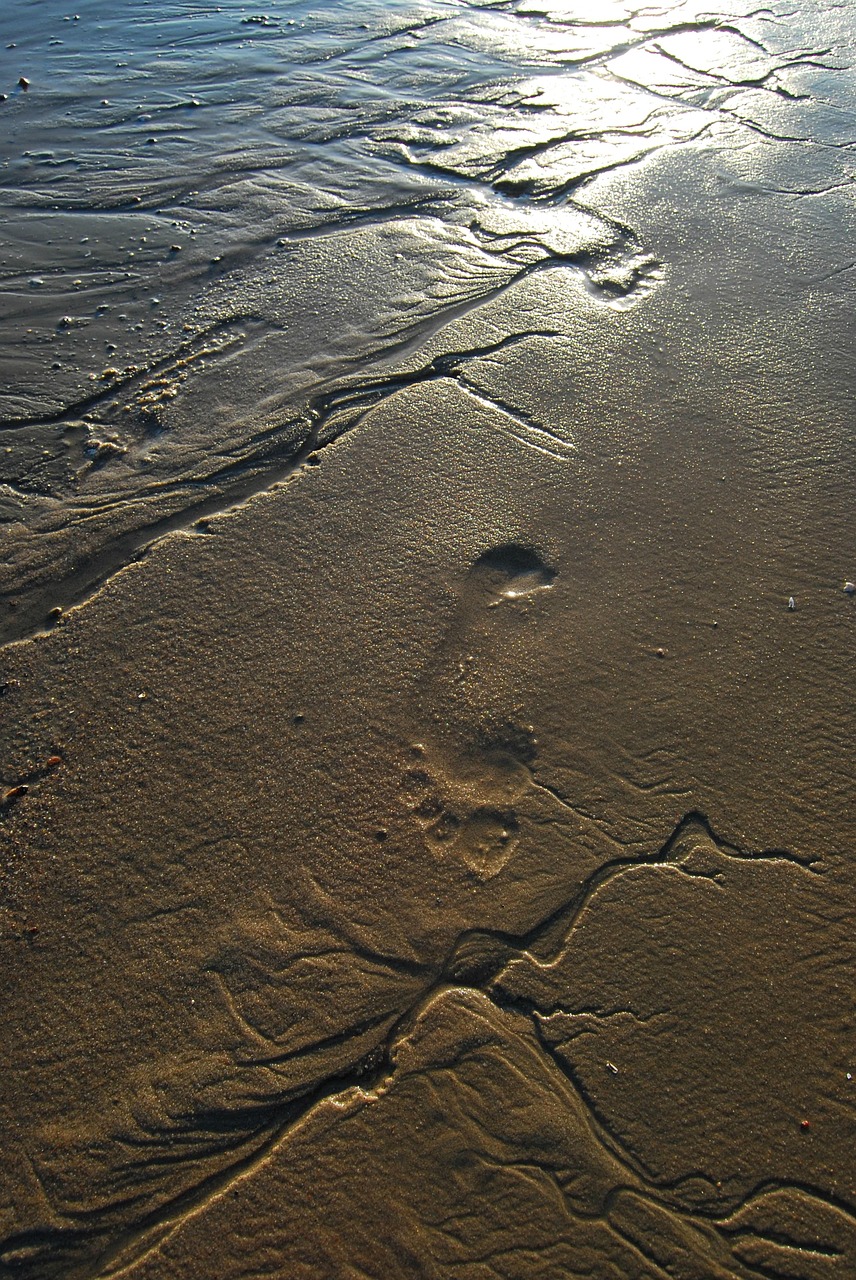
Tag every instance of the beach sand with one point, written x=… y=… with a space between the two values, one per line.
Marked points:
x=427 y=737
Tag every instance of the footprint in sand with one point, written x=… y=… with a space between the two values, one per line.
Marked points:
x=474 y=755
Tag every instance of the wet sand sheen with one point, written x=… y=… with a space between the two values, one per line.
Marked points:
x=433 y=854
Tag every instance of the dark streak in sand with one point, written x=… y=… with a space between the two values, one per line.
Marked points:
x=365 y=910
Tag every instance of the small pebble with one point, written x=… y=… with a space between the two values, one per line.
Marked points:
x=792 y=604
x=850 y=588
x=24 y=83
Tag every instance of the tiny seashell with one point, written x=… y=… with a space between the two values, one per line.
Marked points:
x=792 y=604
x=850 y=588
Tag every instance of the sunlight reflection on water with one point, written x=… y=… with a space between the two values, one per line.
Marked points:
x=180 y=185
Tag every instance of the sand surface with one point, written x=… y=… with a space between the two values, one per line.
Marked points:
x=428 y=495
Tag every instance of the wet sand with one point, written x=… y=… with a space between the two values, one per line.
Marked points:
x=428 y=827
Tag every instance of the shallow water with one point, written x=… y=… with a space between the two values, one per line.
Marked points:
x=182 y=188
x=427 y=828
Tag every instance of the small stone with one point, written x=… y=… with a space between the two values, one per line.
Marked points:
x=850 y=587
x=792 y=604
x=24 y=83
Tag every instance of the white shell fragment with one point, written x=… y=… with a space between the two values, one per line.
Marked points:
x=792 y=604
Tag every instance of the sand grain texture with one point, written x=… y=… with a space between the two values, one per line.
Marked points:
x=428 y=832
